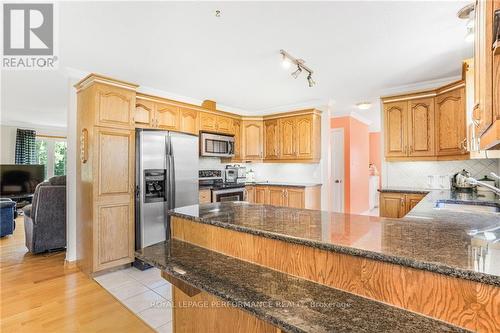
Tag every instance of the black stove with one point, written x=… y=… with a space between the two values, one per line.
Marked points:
x=213 y=179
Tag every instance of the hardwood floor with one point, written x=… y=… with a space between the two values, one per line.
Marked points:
x=40 y=294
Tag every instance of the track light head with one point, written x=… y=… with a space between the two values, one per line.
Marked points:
x=297 y=72
x=310 y=80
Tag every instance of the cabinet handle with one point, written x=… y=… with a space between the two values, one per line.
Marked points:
x=402 y=202
x=476 y=115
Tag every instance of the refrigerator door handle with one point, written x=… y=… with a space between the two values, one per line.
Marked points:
x=171 y=168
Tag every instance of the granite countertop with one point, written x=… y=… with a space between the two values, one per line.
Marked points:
x=429 y=238
x=290 y=303
x=291 y=184
x=397 y=189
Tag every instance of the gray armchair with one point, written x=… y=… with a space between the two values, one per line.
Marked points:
x=45 y=218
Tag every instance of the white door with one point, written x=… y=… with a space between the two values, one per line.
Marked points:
x=337 y=146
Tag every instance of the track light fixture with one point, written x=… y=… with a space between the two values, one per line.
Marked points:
x=310 y=80
x=288 y=59
x=296 y=73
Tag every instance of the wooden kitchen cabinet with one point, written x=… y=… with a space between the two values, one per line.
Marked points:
x=271 y=139
x=208 y=122
x=166 y=116
x=397 y=205
x=188 y=122
x=451 y=131
x=237 y=138
x=305 y=138
x=392 y=205
x=250 y=194
x=300 y=137
x=287 y=140
x=295 y=197
x=114 y=106
x=276 y=195
x=252 y=139
x=211 y=122
x=395 y=128
x=224 y=125
x=428 y=125
x=411 y=200
x=308 y=197
x=421 y=127
x=105 y=173
x=205 y=196
x=486 y=114
x=144 y=113
x=261 y=194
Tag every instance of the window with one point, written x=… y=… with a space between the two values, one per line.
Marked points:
x=51 y=152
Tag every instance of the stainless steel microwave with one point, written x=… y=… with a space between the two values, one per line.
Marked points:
x=218 y=145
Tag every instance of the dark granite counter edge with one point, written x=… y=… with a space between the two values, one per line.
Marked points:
x=401 y=190
x=260 y=314
x=413 y=263
x=284 y=184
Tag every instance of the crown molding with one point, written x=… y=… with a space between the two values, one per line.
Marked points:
x=431 y=84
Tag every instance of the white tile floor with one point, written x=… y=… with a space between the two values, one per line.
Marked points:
x=145 y=293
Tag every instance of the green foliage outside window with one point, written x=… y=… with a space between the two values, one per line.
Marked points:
x=41 y=154
x=60 y=159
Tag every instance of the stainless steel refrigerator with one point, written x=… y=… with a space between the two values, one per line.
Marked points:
x=166 y=178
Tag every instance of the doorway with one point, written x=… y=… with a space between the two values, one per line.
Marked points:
x=337 y=146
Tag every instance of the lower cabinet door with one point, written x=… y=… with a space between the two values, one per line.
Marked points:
x=295 y=197
x=412 y=200
x=392 y=205
x=276 y=196
x=115 y=235
x=250 y=194
x=260 y=195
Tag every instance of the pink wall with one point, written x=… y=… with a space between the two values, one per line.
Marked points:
x=375 y=152
x=356 y=161
x=344 y=122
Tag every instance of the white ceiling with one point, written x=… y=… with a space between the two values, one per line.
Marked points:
x=357 y=49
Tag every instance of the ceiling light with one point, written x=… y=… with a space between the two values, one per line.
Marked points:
x=467 y=13
x=364 y=105
x=297 y=72
x=310 y=80
x=288 y=60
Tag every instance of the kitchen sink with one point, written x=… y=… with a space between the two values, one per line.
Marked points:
x=468 y=207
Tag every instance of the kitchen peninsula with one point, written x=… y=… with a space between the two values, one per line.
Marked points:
x=331 y=270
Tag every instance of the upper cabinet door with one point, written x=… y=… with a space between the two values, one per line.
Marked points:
x=167 y=116
x=421 y=127
x=395 y=124
x=451 y=133
x=287 y=136
x=189 y=121
x=252 y=138
x=304 y=137
x=224 y=124
x=144 y=113
x=208 y=122
x=271 y=139
x=115 y=107
x=237 y=138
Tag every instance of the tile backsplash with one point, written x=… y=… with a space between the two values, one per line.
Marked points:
x=288 y=172
x=416 y=174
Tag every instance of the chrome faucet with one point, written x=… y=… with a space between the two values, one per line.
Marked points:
x=476 y=182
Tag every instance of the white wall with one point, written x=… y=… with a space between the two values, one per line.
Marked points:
x=415 y=174
x=8 y=138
